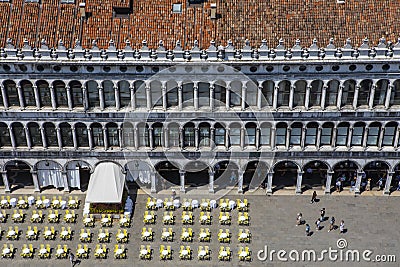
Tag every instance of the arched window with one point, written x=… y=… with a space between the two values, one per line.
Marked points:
x=124 y=94
x=66 y=135
x=342 y=134
x=267 y=92
x=44 y=93
x=235 y=94
x=265 y=134
x=35 y=134
x=349 y=87
x=187 y=95
x=204 y=135
x=12 y=93
x=389 y=134
x=51 y=134
x=82 y=135
x=219 y=94
x=204 y=94
x=295 y=134
x=395 y=94
x=156 y=94
x=280 y=135
x=109 y=94
x=332 y=93
x=93 y=93
x=251 y=94
x=140 y=94
x=234 y=134
x=364 y=93
x=326 y=134
x=112 y=134
x=283 y=93
x=299 y=93
x=77 y=93
x=311 y=134
x=188 y=135
x=97 y=133
x=19 y=134
x=128 y=135
x=316 y=93
x=250 y=138
x=358 y=134
x=374 y=130
x=29 y=94
x=143 y=132
x=173 y=135
x=5 y=139
x=219 y=135
x=157 y=135
x=380 y=92
x=61 y=94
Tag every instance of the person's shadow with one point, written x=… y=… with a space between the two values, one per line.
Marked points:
x=76 y=262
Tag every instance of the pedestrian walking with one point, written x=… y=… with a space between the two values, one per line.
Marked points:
x=299 y=220
x=71 y=259
x=338 y=186
x=173 y=194
x=314 y=197
x=341 y=227
x=331 y=224
x=318 y=224
x=380 y=184
x=307 y=230
x=322 y=214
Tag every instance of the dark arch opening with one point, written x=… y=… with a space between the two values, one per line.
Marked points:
x=196 y=174
x=346 y=172
x=169 y=173
x=285 y=175
x=374 y=171
x=19 y=175
x=314 y=176
x=254 y=175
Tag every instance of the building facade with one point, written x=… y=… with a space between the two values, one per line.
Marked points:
x=212 y=118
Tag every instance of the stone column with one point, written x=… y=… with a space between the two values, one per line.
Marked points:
x=299 y=182
x=35 y=181
x=182 y=180
x=273 y=132
x=85 y=100
x=227 y=139
x=350 y=137
x=59 y=138
x=149 y=102
x=117 y=99
x=259 y=97
x=334 y=133
x=74 y=138
x=43 y=133
x=360 y=173
x=242 y=137
x=389 y=178
x=303 y=137
x=65 y=179
x=275 y=100
x=211 y=181
x=5 y=181
x=380 y=138
x=120 y=138
x=196 y=138
x=227 y=97
x=53 y=98
x=323 y=96
x=166 y=138
x=180 y=97
x=212 y=97
x=136 y=138
x=307 y=100
x=339 y=97
x=28 y=137
x=329 y=175
x=69 y=98
x=365 y=137
x=258 y=136
x=212 y=137
x=37 y=96
x=396 y=138
x=181 y=141
x=21 y=97
x=133 y=99
x=319 y=133
x=371 y=97
x=153 y=182
x=240 y=182
x=90 y=138
x=289 y=131
x=270 y=176
x=195 y=96
x=244 y=92
x=355 y=100
x=12 y=137
x=4 y=96
x=164 y=96
x=388 y=94
x=101 y=97
x=151 y=138
x=105 y=135
x=291 y=97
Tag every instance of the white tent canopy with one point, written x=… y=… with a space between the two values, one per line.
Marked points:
x=106 y=184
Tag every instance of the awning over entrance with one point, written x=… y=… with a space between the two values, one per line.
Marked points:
x=106 y=184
